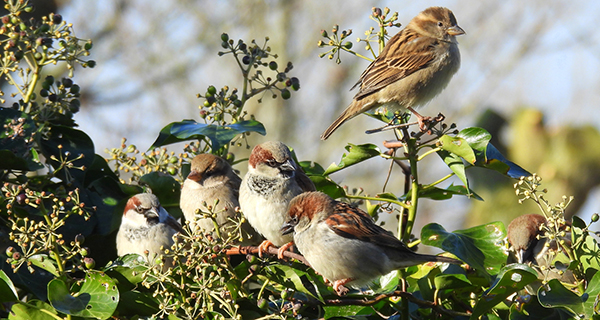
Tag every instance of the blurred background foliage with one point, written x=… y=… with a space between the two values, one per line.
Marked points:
x=527 y=76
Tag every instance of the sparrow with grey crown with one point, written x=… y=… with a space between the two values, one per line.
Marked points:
x=146 y=228
x=415 y=65
x=272 y=181
x=343 y=243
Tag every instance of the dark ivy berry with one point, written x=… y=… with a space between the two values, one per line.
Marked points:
x=53 y=97
x=243 y=47
x=49 y=80
x=91 y=63
x=74 y=105
x=88 y=46
x=246 y=59
x=67 y=82
x=56 y=19
x=44 y=93
x=74 y=89
x=295 y=83
x=273 y=65
x=285 y=94
x=44 y=28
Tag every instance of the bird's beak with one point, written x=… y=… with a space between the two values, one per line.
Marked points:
x=287 y=228
x=151 y=213
x=287 y=166
x=195 y=176
x=455 y=31
x=520 y=256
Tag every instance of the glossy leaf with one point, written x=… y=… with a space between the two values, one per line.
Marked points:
x=315 y=172
x=592 y=294
x=32 y=310
x=458 y=146
x=555 y=295
x=219 y=135
x=292 y=278
x=128 y=270
x=451 y=281
x=454 y=162
x=98 y=297
x=511 y=279
x=480 y=247
x=8 y=293
x=356 y=154
x=587 y=247
x=44 y=262
x=444 y=194
x=487 y=156
x=353 y=312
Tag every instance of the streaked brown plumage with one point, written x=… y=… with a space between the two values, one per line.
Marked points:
x=415 y=66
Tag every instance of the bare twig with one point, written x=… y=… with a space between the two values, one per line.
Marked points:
x=270 y=250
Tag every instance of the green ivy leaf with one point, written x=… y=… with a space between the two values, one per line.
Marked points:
x=351 y=312
x=8 y=293
x=555 y=295
x=487 y=156
x=436 y=193
x=291 y=278
x=356 y=154
x=587 y=247
x=458 y=146
x=32 y=310
x=511 y=279
x=315 y=172
x=452 y=281
x=16 y=152
x=44 y=262
x=480 y=246
x=219 y=135
x=128 y=270
x=98 y=297
x=454 y=162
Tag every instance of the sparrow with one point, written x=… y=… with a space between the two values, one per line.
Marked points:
x=343 y=243
x=212 y=182
x=524 y=234
x=272 y=181
x=415 y=65
x=530 y=246
x=146 y=227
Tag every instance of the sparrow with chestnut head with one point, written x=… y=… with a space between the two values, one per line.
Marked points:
x=146 y=227
x=273 y=179
x=343 y=243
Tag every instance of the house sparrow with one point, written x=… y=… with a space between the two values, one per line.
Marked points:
x=211 y=178
x=523 y=236
x=344 y=244
x=273 y=179
x=146 y=227
x=526 y=237
x=415 y=66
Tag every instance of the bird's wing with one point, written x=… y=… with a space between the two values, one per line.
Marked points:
x=353 y=223
x=401 y=57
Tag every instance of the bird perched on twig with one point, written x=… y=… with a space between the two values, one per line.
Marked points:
x=415 y=65
x=146 y=228
x=344 y=244
x=272 y=181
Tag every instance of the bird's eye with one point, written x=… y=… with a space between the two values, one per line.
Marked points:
x=440 y=24
x=271 y=163
x=139 y=209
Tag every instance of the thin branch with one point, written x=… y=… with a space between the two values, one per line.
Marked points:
x=398 y=293
x=270 y=250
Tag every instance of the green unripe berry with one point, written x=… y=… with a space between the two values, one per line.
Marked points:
x=262 y=303
x=212 y=90
x=49 y=80
x=224 y=37
x=286 y=94
x=44 y=28
x=348 y=45
x=89 y=262
x=44 y=93
x=285 y=294
x=273 y=65
x=88 y=46
x=10 y=251
x=595 y=217
x=90 y=64
x=84 y=252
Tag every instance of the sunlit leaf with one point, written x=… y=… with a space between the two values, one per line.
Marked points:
x=356 y=154
x=436 y=193
x=457 y=146
x=33 y=310
x=97 y=298
x=480 y=247
x=219 y=136
x=454 y=162
x=8 y=292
